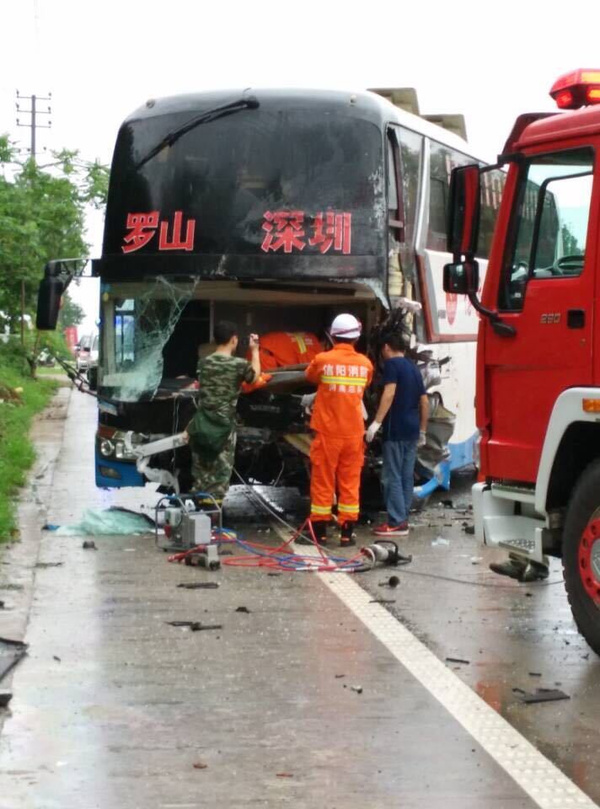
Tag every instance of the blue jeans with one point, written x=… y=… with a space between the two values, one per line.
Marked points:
x=398 y=478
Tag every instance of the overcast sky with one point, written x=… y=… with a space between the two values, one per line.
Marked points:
x=100 y=60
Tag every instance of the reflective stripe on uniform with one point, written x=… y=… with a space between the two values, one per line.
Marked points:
x=320 y=509
x=344 y=380
x=348 y=509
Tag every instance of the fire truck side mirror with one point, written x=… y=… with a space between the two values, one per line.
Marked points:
x=49 y=295
x=463 y=211
x=462 y=278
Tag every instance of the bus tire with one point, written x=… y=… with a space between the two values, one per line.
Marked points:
x=581 y=554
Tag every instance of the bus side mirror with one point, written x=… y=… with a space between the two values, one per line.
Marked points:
x=462 y=278
x=49 y=295
x=463 y=211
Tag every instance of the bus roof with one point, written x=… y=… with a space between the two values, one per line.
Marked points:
x=363 y=104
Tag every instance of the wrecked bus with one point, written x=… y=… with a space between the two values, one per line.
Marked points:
x=276 y=210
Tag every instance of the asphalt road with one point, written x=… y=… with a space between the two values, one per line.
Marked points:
x=314 y=697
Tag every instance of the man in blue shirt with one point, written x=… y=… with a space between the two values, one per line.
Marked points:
x=403 y=412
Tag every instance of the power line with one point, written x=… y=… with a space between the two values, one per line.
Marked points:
x=34 y=112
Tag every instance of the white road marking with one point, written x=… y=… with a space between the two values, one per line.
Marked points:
x=545 y=784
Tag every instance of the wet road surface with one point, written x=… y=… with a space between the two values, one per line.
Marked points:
x=113 y=707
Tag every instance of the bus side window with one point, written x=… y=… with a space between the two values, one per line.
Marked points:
x=411 y=147
x=443 y=160
x=394 y=191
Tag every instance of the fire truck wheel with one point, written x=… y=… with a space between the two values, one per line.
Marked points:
x=581 y=554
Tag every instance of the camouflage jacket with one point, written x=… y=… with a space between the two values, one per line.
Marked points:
x=220 y=379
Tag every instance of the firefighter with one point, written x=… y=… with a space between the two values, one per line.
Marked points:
x=337 y=451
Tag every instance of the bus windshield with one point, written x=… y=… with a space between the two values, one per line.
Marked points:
x=234 y=174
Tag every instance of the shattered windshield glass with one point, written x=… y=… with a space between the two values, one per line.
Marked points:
x=138 y=321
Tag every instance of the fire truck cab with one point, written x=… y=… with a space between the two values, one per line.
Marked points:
x=538 y=359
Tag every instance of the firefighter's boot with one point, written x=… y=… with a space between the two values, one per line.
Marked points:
x=319 y=531
x=347 y=539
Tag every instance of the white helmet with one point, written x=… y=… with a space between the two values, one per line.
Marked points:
x=346 y=326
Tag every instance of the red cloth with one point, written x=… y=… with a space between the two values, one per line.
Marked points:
x=279 y=348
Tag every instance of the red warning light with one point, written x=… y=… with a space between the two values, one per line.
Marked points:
x=577 y=89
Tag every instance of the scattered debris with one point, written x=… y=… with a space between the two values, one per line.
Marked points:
x=535 y=674
x=89 y=545
x=44 y=565
x=199 y=585
x=543 y=695
x=528 y=595
x=114 y=521
x=268 y=574
x=55 y=657
x=518 y=691
x=469 y=529
x=475 y=560
x=339 y=676
x=382 y=601
x=195 y=626
x=439 y=541
x=5 y=698
x=200 y=765
x=357 y=688
x=447 y=503
x=284 y=775
x=198 y=626
x=245 y=610
x=393 y=581
x=458 y=660
x=1 y=605
x=11 y=652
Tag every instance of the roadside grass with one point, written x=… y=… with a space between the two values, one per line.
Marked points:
x=45 y=371
x=16 y=450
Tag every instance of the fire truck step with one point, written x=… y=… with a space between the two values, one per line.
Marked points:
x=519 y=534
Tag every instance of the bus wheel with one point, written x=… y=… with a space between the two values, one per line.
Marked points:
x=581 y=554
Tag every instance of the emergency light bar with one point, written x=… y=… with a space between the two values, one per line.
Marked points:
x=577 y=89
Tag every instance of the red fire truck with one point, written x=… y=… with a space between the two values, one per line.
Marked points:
x=538 y=362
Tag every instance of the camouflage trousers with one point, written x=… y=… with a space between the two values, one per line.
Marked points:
x=213 y=476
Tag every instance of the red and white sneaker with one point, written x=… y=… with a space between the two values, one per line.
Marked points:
x=386 y=530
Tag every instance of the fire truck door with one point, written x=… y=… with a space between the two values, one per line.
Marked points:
x=546 y=294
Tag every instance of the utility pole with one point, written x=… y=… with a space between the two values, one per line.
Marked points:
x=34 y=112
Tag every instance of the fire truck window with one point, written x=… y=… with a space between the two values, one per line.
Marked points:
x=550 y=223
x=492 y=188
x=442 y=161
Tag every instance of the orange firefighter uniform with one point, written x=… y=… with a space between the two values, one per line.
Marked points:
x=337 y=451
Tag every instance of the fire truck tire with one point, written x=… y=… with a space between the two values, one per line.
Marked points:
x=582 y=524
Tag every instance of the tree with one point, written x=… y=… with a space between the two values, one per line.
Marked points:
x=71 y=313
x=42 y=216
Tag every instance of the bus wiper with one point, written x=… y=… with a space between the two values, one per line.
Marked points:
x=248 y=103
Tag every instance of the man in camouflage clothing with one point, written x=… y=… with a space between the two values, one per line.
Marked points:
x=221 y=375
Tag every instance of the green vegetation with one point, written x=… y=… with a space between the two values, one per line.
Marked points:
x=42 y=217
x=21 y=397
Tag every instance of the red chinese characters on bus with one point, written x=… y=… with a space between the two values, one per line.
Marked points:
x=142 y=227
x=335 y=230
x=285 y=231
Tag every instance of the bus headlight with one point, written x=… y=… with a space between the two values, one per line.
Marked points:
x=107 y=448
